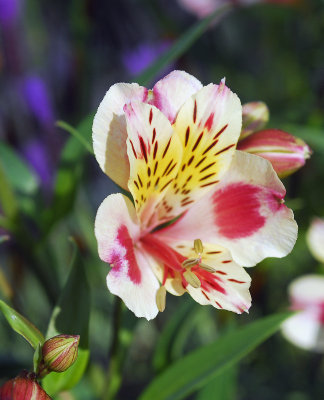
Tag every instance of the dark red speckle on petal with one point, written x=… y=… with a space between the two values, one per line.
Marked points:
x=209 y=122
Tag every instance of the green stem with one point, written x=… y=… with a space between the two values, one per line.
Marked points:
x=114 y=378
x=7 y=197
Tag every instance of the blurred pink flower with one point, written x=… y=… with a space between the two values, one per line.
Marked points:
x=315 y=238
x=201 y=8
x=306 y=329
x=173 y=148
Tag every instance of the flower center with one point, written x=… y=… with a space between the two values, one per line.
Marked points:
x=174 y=261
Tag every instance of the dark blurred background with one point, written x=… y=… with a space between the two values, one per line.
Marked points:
x=57 y=60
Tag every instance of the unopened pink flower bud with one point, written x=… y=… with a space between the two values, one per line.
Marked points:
x=23 y=388
x=285 y=152
x=60 y=352
x=255 y=116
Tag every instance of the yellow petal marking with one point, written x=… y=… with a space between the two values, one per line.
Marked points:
x=208 y=126
x=154 y=153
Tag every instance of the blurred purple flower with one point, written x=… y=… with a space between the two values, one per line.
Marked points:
x=36 y=155
x=137 y=59
x=37 y=99
x=9 y=10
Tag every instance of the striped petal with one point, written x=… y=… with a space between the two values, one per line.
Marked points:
x=244 y=213
x=109 y=130
x=208 y=126
x=131 y=277
x=227 y=288
x=154 y=154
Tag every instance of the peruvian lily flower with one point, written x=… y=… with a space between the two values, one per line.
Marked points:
x=315 y=239
x=286 y=152
x=306 y=329
x=201 y=209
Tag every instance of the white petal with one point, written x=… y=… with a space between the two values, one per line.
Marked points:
x=109 y=130
x=139 y=298
x=131 y=276
x=171 y=92
x=244 y=214
x=226 y=288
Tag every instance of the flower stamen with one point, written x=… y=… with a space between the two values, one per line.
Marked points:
x=198 y=246
x=192 y=279
x=160 y=298
x=190 y=262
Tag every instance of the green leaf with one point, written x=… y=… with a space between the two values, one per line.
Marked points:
x=18 y=173
x=37 y=357
x=162 y=350
x=312 y=136
x=68 y=176
x=223 y=387
x=8 y=200
x=74 y=132
x=180 y=46
x=21 y=325
x=199 y=367
x=71 y=316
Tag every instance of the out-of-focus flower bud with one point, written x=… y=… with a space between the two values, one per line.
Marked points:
x=315 y=239
x=23 y=387
x=255 y=116
x=285 y=152
x=60 y=352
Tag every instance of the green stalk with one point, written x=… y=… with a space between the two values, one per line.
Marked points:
x=114 y=377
